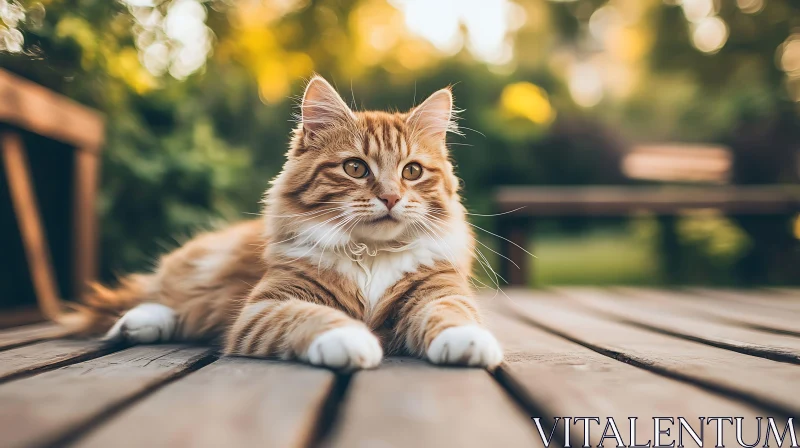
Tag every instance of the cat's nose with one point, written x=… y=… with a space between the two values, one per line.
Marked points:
x=389 y=199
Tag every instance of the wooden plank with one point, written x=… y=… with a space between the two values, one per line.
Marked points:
x=32 y=107
x=664 y=320
x=408 y=402
x=16 y=337
x=85 y=220
x=232 y=402
x=30 y=224
x=47 y=355
x=769 y=384
x=731 y=312
x=17 y=317
x=793 y=293
x=51 y=408
x=615 y=201
x=562 y=379
x=756 y=299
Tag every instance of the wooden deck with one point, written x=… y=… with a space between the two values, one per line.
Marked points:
x=569 y=352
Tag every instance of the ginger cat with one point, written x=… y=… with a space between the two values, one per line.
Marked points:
x=363 y=249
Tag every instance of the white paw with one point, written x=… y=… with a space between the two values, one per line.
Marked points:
x=145 y=324
x=347 y=348
x=468 y=345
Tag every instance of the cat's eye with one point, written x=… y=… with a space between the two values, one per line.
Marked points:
x=412 y=171
x=356 y=168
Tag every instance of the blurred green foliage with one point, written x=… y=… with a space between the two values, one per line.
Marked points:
x=183 y=154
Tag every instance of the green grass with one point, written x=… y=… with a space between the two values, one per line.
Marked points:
x=597 y=258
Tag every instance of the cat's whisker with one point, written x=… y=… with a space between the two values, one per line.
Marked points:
x=478 y=255
x=504 y=239
x=297 y=235
x=310 y=229
x=314 y=212
x=483 y=266
x=482 y=257
x=319 y=240
x=322 y=254
x=313 y=217
x=495 y=214
x=449 y=252
x=498 y=253
x=499 y=289
x=471 y=278
x=496 y=235
x=440 y=211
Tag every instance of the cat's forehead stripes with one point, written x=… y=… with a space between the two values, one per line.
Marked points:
x=383 y=133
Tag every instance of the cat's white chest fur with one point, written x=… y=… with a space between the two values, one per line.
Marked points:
x=376 y=274
x=375 y=271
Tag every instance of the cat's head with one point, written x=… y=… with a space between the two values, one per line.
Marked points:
x=367 y=176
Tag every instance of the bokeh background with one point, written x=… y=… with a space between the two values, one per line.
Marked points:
x=199 y=97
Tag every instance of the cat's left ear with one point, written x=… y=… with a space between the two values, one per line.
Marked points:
x=434 y=117
x=323 y=108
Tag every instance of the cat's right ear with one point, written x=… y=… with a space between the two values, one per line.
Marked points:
x=323 y=108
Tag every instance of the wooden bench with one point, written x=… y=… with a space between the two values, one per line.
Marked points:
x=25 y=106
x=569 y=352
x=522 y=205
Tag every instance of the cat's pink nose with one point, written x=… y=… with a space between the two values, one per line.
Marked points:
x=390 y=199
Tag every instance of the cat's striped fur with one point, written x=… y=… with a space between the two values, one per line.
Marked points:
x=340 y=269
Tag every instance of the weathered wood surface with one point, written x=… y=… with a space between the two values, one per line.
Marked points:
x=568 y=379
x=49 y=408
x=791 y=292
x=770 y=384
x=569 y=352
x=755 y=300
x=407 y=402
x=664 y=320
x=232 y=402
x=31 y=333
x=762 y=319
x=47 y=355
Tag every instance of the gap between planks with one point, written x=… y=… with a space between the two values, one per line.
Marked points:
x=28 y=334
x=53 y=408
x=729 y=312
x=757 y=381
x=40 y=357
x=409 y=402
x=517 y=385
x=673 y=320
x=563 y=378
x=246 y=402
x=126 y=409
x=231 y=402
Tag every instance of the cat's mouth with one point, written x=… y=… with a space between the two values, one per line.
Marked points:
x=385 y=218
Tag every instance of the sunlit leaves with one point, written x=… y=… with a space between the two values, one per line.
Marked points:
x=11 y=38
x=529 y=101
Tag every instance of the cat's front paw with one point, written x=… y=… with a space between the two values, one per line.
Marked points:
x=468 y=345
x=346 y=348
x=145 y=324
